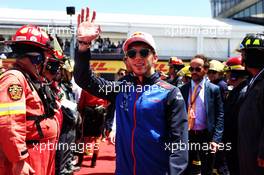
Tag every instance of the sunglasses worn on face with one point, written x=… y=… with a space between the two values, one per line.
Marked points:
x=35 y=58
x=53 y=67
x=132 y=53
x=196 y=69
x=212 y=72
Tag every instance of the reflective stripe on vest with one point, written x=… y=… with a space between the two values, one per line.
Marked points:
x=12 y=108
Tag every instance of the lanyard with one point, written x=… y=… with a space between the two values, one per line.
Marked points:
x=193 y=98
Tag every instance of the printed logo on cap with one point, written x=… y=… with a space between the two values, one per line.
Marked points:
x=33 y=38
x=20 y=38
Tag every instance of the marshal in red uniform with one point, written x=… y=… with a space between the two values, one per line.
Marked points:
x=29 y=112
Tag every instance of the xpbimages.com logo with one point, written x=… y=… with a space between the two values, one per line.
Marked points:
x=180 y=146
x=60 y=30
x=127 y=87
x=79 y=147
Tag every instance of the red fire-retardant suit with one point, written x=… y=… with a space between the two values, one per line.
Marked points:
x=17 y=101
x=29 y=111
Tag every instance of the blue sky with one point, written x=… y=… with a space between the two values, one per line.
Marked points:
x=199 y=8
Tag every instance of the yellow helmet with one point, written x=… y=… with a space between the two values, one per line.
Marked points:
x=184 y=72
x=216 y=65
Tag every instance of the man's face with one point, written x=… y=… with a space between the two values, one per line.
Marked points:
x=229 y=79
x=213 y=75
x=197 y=69
x=172 y=70
x=141 y=59
x=121 y=74
x=51 y=67
x=234 y=77
x=31 y=62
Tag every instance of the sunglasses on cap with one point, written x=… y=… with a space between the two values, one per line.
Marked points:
x=196 y=69
x=132 y=53
x=53 y=66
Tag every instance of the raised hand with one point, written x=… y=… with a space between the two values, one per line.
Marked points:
x=87 y=30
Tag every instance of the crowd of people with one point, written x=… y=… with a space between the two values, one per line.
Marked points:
x=105 y=45
x=202 y=118
x=99 y=46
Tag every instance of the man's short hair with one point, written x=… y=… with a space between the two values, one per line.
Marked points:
x=204 y=58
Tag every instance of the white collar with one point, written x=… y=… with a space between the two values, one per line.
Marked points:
x=201 y=84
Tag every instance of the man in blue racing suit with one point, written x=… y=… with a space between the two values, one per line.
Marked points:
x=151 y=120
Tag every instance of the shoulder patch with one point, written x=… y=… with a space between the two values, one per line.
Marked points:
x=15 y=91
x=179 y=96
x=165 y=85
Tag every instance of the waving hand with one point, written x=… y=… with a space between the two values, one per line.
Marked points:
x=87 y=30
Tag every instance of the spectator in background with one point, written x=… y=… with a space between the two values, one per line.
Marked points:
x=175 y=64
x=99 y=40
x=205 y=116
x=93 y=112
x=100 y=43
x=107 y=41
x=104 y=45
x=121 y=73
x=96 y=46
x=64 y=157
x=67 y=46
x=215 y=75
x=119 y=47
x=113 y=47
x=250 y=119
x=237 y=79
x=185 y=74
x=119 y=44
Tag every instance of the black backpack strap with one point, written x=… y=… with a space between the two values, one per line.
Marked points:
x=37 y=120
x=32 y=142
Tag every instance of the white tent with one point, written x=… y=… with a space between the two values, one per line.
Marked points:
x=174 y=35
